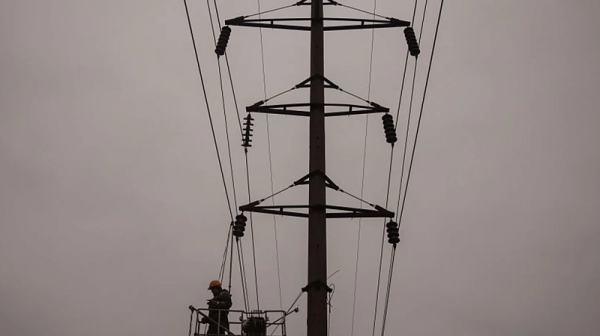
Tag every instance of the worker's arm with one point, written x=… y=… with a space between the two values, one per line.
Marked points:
x=221 y=301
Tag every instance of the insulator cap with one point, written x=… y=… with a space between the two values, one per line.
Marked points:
x=394 y=240
x=223 y=40
x=411 y=40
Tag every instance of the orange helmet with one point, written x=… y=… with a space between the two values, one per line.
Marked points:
x=214 y=283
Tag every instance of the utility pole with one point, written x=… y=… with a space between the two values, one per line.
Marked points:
x=317 y=209
x=317 y=229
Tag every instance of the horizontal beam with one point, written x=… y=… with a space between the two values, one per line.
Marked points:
x=279 y=23
x=282 y=210
x=291 y=109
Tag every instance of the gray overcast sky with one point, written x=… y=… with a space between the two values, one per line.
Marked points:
x=112 y=213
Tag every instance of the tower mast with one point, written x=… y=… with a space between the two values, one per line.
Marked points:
x=317 y=232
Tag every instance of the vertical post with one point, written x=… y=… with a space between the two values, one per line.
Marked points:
x=317 y=233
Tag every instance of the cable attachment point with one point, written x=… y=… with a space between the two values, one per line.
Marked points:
x=223 y=40
x=388 y=127
x=393 y=233
x=411 y=39
x=239 y=226
x=317 y=284
x=247 y=136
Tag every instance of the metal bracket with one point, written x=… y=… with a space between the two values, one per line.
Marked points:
x=318 y=284
x=327 y=83
x=346 y=212
x=303 y=109
x=341 y=211
x=306 y=178
x=293 y=109
x=345 y=23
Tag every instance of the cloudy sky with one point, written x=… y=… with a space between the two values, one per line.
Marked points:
x=113 y=217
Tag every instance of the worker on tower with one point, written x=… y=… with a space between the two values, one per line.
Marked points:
x=219 y=305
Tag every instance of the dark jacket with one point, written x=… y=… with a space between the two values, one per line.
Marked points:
x=219 y=311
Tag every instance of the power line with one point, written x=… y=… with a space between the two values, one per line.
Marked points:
x=235 y=103
x=405 y=67
x=217 y=12
x=392 y=258
x=252 y=229
x=262 y=57
x=247 y=168
x=227 y=135
x=372 y=48
x=231 y=259
x=383 y=239
x=262 y=54
x=287 y=312
x=421 y=111
x=226 y=60
x=223 y=102
x=423 y=21
x=410 y=110
x=406 y=136
x=208 y=107
x=388 y=187
x=212 y=25
x=399 y=218
x=244 y=283
x=362 y=184
x=224 y=261
x=388 y=291
x=362 y=180
x=274 y=218
x=254 y=262
x=410 y=103
x=330 y=306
